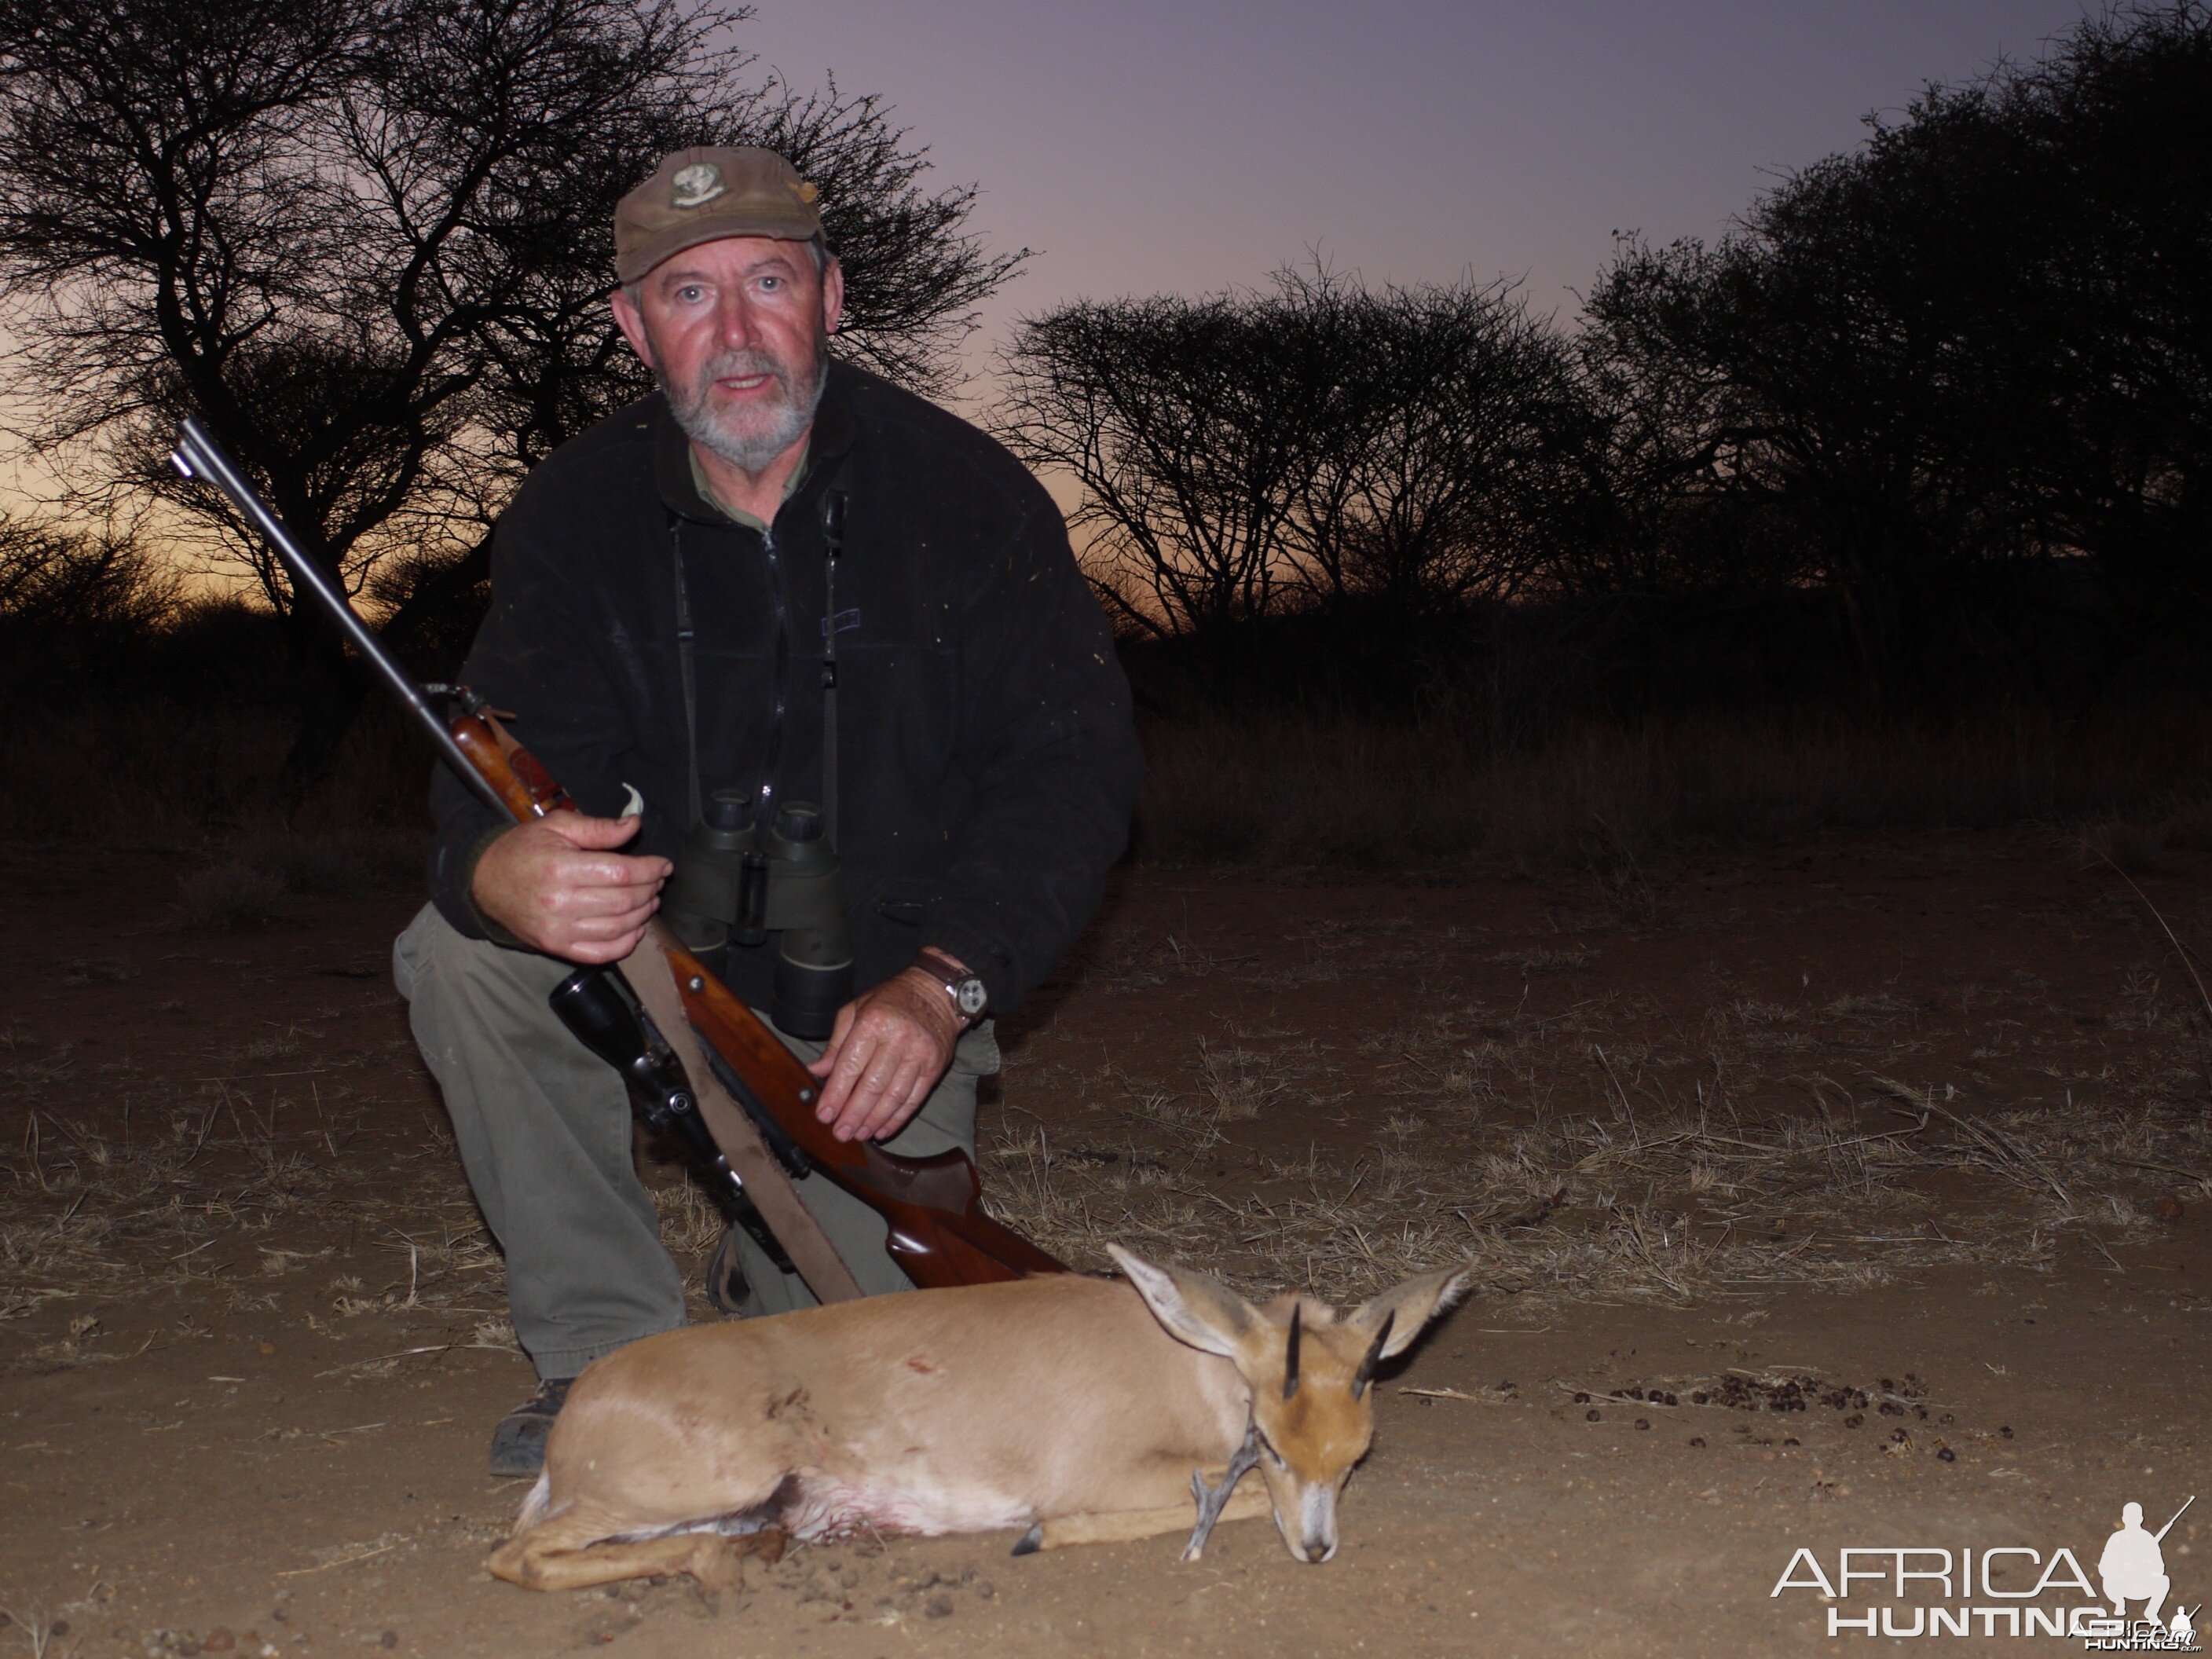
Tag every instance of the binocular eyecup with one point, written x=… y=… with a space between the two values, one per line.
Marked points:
x=737 y=882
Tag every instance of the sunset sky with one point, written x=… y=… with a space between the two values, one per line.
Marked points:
x=1143 y=146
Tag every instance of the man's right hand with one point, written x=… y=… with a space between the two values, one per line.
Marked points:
x=555 y=884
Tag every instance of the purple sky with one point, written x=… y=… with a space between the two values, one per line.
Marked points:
x=1143 y=146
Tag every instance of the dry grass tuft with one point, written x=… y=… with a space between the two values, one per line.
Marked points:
x=1661 y=1210
x=1579 y=1157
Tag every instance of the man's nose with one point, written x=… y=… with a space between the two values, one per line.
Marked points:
x=733 y=323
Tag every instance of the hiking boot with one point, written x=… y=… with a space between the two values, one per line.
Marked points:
x=726 y=1289
x=517 y=1444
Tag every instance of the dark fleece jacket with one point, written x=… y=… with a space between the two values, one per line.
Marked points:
x=986 y=763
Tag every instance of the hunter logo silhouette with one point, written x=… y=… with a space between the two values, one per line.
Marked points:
x=2133 y=1566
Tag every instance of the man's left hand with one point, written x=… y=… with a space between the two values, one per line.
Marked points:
x=886 y=1052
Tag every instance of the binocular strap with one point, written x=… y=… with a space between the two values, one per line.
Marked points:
x=653 y=977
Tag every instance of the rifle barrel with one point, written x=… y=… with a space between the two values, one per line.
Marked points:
x=199 y=456
x=2159 y=1535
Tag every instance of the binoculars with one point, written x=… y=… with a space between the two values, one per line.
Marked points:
x=737 y=881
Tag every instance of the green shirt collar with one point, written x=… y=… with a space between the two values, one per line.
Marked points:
x=737 y=515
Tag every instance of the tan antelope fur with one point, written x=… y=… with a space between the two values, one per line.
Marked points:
x=1076 y=1407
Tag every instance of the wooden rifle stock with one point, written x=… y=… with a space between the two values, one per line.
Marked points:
x=939 y=1232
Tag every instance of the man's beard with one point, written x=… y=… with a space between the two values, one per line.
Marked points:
x=786 y=419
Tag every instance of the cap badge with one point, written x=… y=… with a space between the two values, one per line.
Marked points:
x=695 y=185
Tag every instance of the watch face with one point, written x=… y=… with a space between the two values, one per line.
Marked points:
x=969 y=996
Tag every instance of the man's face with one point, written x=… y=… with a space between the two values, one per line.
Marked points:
x=737 y=332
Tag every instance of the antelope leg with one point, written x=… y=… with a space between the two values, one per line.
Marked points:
x=1211 y=1500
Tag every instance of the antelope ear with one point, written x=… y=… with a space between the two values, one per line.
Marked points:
x=1410 y=1305
x=1202 y=1311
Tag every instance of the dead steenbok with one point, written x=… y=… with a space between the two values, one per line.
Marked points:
x=1086 y=1410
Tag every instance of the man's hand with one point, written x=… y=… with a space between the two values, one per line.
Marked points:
x=554 y=884
x=886 y=1052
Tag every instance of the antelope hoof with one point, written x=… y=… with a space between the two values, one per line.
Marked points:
x=1031 y=1541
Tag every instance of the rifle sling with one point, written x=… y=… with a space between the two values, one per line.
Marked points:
x=653 y=977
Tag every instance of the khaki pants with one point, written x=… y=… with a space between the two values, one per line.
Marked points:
x=544 y=1127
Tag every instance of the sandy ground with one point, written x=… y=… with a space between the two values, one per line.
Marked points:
x=251 y=1339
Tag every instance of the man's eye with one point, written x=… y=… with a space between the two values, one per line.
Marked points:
x=771 y=283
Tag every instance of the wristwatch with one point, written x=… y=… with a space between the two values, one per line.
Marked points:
x=965 y=989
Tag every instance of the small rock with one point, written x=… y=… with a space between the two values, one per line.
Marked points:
x=937 y=1606
x=986 y=1589
x=1947 y=1456
x=2004 y=1431
x=1697 y=1440
x=1643 y=1422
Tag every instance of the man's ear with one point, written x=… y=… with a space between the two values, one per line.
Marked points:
x=833 y=297
x=631 y=321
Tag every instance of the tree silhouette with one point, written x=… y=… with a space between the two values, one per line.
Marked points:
x=1316 y=445
x=1983 y=340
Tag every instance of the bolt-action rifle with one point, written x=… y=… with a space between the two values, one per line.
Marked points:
x=741 y=1100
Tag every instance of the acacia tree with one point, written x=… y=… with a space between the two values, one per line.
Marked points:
x=1444 y=460
x=1381 y=456
x=370 y=242
x=1188 y=424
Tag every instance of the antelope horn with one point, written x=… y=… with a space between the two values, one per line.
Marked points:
x=1290 y=1358
x=1365 y=1374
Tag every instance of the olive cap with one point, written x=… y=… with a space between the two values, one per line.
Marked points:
x=705 y=193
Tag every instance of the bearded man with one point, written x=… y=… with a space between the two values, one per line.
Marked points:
x=661 y=630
